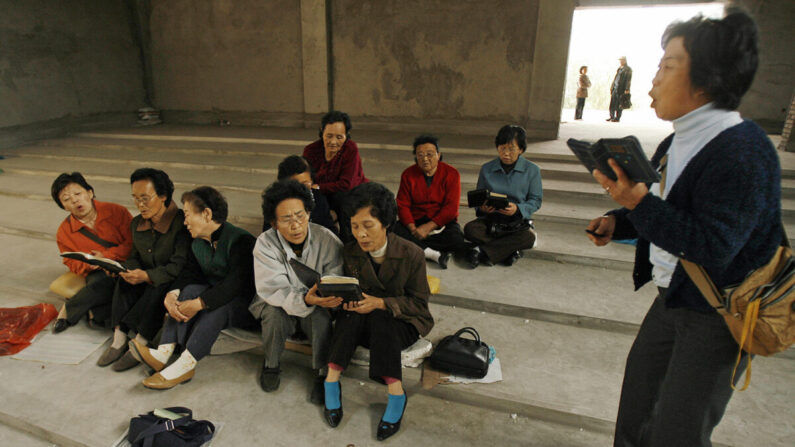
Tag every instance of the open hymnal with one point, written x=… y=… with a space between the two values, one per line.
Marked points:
x=105 y=263
x=480 y=197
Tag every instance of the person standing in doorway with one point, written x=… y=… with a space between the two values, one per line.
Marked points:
x=583 y=83
x=619 y=87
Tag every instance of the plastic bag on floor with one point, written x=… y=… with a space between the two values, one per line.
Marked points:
x=19 y=325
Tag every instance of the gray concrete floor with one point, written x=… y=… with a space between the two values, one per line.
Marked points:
x=562 y=319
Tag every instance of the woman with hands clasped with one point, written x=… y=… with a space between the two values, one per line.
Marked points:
x=211 y=293
x=394 y=312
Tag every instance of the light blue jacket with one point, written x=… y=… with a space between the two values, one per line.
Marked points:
x=522 y=185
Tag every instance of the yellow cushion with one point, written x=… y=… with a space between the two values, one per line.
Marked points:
x=67 y=284
x=435 y=284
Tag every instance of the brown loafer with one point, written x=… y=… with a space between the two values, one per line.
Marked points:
x=143 y=354
x=111 y=355
x=158 y=382
x=126 y=362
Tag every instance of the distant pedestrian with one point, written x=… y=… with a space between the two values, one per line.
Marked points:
x=618 y=88
x=583 y=83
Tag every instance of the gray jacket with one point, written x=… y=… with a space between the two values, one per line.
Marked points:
x=276 y=282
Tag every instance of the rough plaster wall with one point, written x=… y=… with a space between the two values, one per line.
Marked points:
x=241 y=55
x=434 y=58
x=66 y=58
x=770 y=94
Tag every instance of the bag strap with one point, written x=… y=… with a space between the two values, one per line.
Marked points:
x=166 y=425
x=705 y=285
x=468 y=330
x=84 y=231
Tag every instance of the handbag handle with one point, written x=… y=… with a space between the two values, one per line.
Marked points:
x=166 y=425
x=468 y=330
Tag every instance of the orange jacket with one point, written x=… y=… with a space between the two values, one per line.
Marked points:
x=112 y=225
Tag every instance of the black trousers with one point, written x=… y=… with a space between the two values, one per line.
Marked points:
x=336 y=201
x=198 y=334
x=96 y=297
x=677 y=379
x=578 y=109
x=139 y=307
x=498 y=249
x=450 y=239
x=384 y=335
x=615 y=105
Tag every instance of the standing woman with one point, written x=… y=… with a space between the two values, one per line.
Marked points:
x=583 y=83
x=394 y=312
x=211 y=293
x=160 y=250
x=337 y=165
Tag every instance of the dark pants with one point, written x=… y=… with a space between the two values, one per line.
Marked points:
x=498 y=249
x=277 y=326
x=677 y=379
x=139 y=307
x=198 y=334
x=384 y=335
x=96 y=297
x=336 y=201
x=615 y=105
x=450 y=239
x=578 y=109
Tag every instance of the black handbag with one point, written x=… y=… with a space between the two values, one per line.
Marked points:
x=625 y=101
x=498 y=229
x=462 y=356
x=148 y=430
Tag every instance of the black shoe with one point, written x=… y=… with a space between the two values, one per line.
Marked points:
x=472 y=257
x=333 y=417
x=443 y=258
x=318 y=396
x=610 y=119
x=484 y=259
x=61 y=324
x=269 y=378
x=385 y=429
x=511 y=260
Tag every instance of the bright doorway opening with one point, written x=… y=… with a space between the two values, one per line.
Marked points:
x=599 y=36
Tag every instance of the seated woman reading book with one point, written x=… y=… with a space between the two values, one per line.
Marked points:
x=93 y=227
x=394 y=312
x=211 y=293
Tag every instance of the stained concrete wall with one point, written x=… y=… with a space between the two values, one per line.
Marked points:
x=66 y=59
x=413 y=60
x=239 y=56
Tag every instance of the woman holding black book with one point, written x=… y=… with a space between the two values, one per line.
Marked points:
x=393 y=313
x=501 y=233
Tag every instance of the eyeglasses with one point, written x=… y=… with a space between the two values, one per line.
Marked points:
x=510 y=149
x=427 y=155
x=299 y=218
x=142 y=200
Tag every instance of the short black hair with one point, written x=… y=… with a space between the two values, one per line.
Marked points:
x=376 y=196
x=723 y=54
x=581 y=68
x=63 y=180
x=160 y=181
x=293 y=165
x=335 y=116
x=205 y=197
x=425 y=139
x=510 y=132
x=280 y=191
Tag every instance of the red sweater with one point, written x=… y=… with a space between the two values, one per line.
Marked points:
x=112 y=224
x=343 y=173
x=439 y=202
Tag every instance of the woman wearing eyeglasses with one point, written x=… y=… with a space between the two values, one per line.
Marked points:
x=160 y=250
x=211 y=293
x=500 y=234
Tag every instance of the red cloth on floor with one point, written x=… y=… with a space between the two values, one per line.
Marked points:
x=19 y=325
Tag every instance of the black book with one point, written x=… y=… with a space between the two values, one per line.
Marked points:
x=105 y=263
x=479 y=197
x=344 y=287
x=626 y=151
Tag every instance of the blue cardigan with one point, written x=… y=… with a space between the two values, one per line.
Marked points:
x=723 y=212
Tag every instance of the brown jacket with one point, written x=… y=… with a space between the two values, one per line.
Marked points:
x=401 y=281
x=582 y=86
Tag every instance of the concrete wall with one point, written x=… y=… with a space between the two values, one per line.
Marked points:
x=239 y=56
x=66 y=59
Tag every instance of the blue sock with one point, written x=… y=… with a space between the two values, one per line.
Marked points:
x=394 y=408
x=332 y=395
